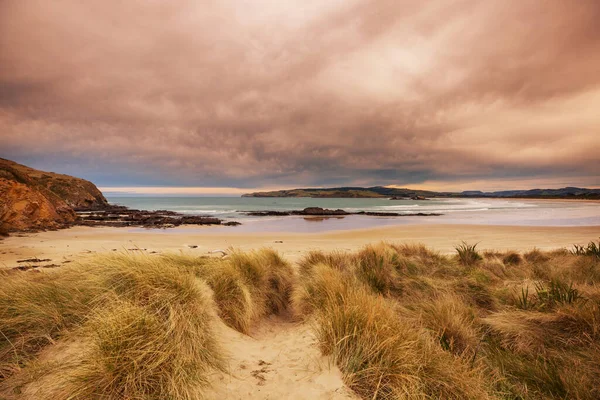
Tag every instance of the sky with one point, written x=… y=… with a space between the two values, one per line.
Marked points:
x=232 y=96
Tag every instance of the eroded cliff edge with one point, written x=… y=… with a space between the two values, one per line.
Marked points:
x=32 y=200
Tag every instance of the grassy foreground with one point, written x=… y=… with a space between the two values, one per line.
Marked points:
x=400 y=321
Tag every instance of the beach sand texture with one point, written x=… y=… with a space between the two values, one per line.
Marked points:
x=70 y=244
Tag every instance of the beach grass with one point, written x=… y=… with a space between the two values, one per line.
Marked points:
x=400 y=321
x=508 y=325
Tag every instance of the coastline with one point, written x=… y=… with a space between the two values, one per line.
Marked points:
x=72 y=244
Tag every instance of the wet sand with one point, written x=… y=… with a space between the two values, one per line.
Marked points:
x=75 y=243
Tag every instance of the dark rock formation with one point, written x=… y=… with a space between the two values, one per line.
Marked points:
x=394 y=214
x=307 y=211
x=123 y=216
x=409 y=198
x=269 y=213
x=324 y=212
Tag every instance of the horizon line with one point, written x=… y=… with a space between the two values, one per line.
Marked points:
x=232 y=191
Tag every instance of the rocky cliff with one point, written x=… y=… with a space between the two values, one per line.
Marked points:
x=34 y=200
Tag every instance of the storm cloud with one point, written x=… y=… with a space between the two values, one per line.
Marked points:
x=294 y=93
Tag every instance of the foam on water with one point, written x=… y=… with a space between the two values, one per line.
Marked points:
x=456 y=211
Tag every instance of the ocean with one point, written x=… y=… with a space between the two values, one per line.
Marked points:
x=455 y=211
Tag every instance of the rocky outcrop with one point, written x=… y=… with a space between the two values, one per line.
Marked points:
x=32 y=200
x=26 y=208
x=322 y=211
x=325 y=212
x=122 y=216
x=307 y=211
x=77 y=193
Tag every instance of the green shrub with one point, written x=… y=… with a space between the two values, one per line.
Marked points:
x=592 y=249
x=467 y=254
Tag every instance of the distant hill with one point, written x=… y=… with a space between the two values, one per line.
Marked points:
x=345 y=192
x=31 y=199
x=387 y=192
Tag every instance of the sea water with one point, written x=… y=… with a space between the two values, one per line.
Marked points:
x=455 y=211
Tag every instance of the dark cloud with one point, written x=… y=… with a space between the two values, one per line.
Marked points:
x=252 y=94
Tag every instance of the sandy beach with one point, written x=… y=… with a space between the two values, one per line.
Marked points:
x=74 y=243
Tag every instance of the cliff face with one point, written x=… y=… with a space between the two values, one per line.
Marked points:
x=24 y=208
x=34 y=200
x=76 y=192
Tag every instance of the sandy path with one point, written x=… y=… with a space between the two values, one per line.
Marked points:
x=280 y=360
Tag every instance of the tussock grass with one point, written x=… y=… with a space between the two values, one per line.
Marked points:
x=382 y=355
x=269 y=276
x=547 y=355
x=148 y=352
x=147 y=321
x=335 y=259
x=592 y=249
x=511 y=326
x=536 y=256
x=467 y=254
x=231 y=293
x=148 y=328
x=512 y=258
x=377 y=267
x=400 y=321
x=246 y=286
x=452 y=322
x=36 y=309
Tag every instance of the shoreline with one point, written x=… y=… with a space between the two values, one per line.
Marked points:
x=71 y=244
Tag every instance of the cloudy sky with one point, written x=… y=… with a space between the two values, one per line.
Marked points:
x=457 y=94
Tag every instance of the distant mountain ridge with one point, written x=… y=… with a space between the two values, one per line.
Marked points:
x=383 y=192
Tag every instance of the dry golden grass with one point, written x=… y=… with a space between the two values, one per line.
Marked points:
x=400 y=321
x=269 y=276
x=381 y=307
x=246 y=286
x=36 y=309
x=381 y=354
x=147 y=321
x=452 y=322
x=230 y=291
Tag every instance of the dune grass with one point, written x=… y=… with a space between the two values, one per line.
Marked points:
x=467 y=254
x=508 y=325
x=36 y=309
x=592 y=249
x=246 y=286
x=152 y=334
x=148 y=322
x=401 y=321
x=381 y=354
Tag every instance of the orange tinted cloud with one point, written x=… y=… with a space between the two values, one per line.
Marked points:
x=252 y=94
